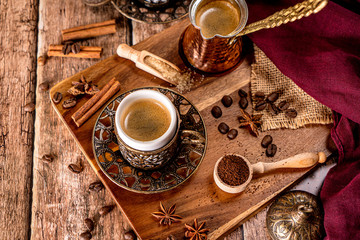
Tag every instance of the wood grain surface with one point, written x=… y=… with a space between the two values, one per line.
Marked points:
x=18 y=24
x=61 y=199
x=198 y=197
x=41 y=200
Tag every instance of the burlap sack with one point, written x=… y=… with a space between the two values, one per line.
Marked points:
x=267 y=78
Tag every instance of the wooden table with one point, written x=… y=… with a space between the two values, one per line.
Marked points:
x=41 y=200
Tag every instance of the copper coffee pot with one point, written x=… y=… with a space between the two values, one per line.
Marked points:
x=220 y=53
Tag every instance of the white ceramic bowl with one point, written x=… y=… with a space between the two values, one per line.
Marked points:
x=226 y=187
x=153 y=144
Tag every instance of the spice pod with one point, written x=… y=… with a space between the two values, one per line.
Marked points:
x=302 y=160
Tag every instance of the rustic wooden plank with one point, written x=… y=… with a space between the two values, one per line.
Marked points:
x=255 y=227
x=18 y=23
x=61 y=199
x=198 y=197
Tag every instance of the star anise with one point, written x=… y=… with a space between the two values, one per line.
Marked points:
x=252 y=122
x=167 y=216
x=196 y=232
x=83 y=87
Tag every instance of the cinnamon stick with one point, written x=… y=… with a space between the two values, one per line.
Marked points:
x=95 y=102
x=89 y=31
x=85 y=52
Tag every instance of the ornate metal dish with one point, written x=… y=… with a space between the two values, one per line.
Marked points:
x=295 y=215
x=190 y=153
x=136 y=11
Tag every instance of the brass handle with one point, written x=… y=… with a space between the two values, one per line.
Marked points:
x=291 y=14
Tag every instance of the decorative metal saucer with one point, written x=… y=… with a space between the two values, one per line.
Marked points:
x=190 y=152
x=295 y=215
x=137 y=11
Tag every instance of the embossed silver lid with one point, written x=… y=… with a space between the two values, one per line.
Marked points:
x=295 y=215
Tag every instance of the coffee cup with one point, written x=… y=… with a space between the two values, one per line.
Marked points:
x=147 y=126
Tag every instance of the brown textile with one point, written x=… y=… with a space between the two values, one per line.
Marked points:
x=267 y=78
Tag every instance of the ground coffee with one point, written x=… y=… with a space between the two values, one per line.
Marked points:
x=233 y=170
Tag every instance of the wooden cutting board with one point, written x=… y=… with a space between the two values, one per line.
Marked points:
x=198 y=197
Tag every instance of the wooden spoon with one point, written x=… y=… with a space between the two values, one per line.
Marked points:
x=138 y=57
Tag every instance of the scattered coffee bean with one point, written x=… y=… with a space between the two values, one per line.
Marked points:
x=48 y=158
x=227 y=101
x=232 y=134
x=243 y=103
x=89 y=223
x=75 y=48
x=291 y=113
x=259 y=95
x=30 y=107
x=57 y=97
x=75 y=168
x=216 y=112
x=283 y=105
x=266 y=141
x=242 y=93
x=42 y=60
x=106 y=209
x=273 y=109
x=44 y=86
x=85 y=235
x=223 y=128
x=130 y=235
x=69 y=103
x=261 y=105
x=96 y=186
x=66 y=48
x=271 y=150
x=272 y=97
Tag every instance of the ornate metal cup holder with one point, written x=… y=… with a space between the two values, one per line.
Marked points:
x=190 y=152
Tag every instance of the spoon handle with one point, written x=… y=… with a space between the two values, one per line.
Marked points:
x=302 y=160
x=291 y=14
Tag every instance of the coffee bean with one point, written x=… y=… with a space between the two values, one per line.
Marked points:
x=75 y=48
x=89 y=223
x=271 y=150
x=44 y=87
x=30 y=107
x=266 y=141
x=106 y=209
x=130 y=235
x=283 y=105
x=232 y=134
x=42 y=60
x=57 y=97
x=66 y=49
x=227 y=101
x=85 y=235
x=260 y=105
x=242 y=93
x=75 y=168
x=223 y=128
x=273 y=109
x=272 y=97
x=69 y=103
x=259 y=95
x=216 y=112
x=243 y=103
x=291 y=113
x=48 y=158
x=96 y=186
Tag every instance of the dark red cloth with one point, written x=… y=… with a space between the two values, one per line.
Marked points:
x=321 y=54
